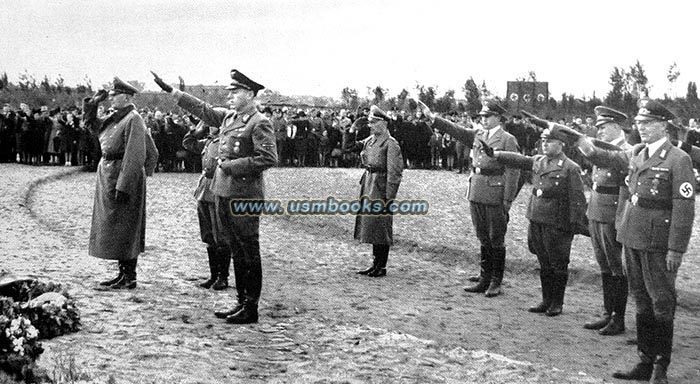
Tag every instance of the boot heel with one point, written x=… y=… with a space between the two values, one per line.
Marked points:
x=220 y=284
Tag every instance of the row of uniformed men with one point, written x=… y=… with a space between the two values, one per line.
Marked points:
x=642 y=203
x=654 y=211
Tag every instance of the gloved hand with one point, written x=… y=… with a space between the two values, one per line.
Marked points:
x=99 y=96
x=200 y=130
x=488 y=150
x=182 y=83
x=542 y=123
x=165 y=87
x=121 y=197
x=426 y=110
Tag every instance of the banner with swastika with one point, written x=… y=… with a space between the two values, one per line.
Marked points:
x=526 y=94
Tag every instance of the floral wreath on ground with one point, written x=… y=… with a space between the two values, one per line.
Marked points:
x=30 y=311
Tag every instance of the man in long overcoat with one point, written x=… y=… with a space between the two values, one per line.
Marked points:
x=118 y=230
x=381 y=158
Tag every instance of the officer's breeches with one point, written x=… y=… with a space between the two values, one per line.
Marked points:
x=490 y=223
x=208 y=224
x=551 y=245
x=651 y=284
x=608 y=252
x=241 y=233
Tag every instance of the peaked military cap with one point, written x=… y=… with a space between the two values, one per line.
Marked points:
x=491 y=107
x=653 y=110
x=120 y=86
x=607 y=115
x=375 y=113
x=555 y=133
x=239 y=80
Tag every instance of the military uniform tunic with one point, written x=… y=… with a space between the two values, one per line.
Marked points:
x=657 y=217
x=608 y=186
x=208 y=149
x=556 y=209
x=490 y=183
x=246 y=148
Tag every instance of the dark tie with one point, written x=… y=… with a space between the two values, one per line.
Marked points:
x=645 y=154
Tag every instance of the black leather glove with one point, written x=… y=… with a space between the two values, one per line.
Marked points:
x=182 y=83
x=99 y=96
x=161 y=83
x=121 y=197
x=542 y=123
x=488 y=150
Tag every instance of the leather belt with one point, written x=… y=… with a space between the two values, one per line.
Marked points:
x=112 y=156
x=545 y=194
x=488 y=172
x=650 y=203
x=606 y=190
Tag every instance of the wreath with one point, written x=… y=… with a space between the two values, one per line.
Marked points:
x=31 y=311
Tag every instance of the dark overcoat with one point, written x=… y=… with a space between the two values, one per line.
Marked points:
x=118 y=230
x=381 y=157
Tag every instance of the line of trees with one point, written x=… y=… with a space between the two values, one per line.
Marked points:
x=627 y=85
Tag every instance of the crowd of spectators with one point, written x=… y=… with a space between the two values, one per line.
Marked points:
x=305 y=137
x=40 y=136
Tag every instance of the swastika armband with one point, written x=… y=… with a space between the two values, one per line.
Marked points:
x=686 y=190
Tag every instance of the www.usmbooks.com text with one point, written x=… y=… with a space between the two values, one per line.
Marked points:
x=328 y=206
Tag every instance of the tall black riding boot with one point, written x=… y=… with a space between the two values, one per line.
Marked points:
x=213 y=268
x=485 y=273
x=240 y=276
x=129 y=280
x=485 y=252
x=558 y=291
x=120 y=266
x=247 y=315
x=249 y=311
x=646 y=348
x=382 y=258
x=224 y=258
x=253 y=277
x=607 y=304
x=498 y=267
x=664 y=345
x=374 y=262
x=546 y=282
x=618 y=289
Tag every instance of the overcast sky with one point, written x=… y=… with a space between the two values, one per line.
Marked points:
x=317 y=47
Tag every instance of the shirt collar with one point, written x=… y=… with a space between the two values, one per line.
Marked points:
x=493 y=130
x=653 y=147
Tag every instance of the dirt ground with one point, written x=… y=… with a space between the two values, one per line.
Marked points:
x=319 y=321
